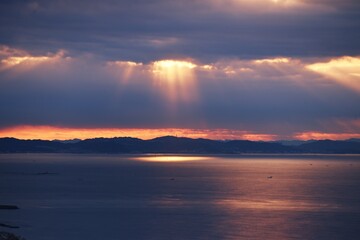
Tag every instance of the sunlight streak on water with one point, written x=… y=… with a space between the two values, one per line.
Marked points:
x=276 y=205
x=181 y=196
x=165 y=158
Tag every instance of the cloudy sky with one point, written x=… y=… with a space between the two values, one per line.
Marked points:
x=220 y=69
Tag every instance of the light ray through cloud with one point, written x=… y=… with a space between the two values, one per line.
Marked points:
x=23 y=61
x=343 y=70
x=227 y=99
x=176 y=78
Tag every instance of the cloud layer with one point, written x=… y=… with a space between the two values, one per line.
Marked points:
x=144 y=31
x=278 y=96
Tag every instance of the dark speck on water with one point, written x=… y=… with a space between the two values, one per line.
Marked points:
x=7 y=225
x=214 y=197
x=9 y=207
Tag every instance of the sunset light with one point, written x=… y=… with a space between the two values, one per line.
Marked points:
x=124 y=70
x=170 y=158
x=179 y=119
x=11 y=61
x=344 y=70
x=25 y=61
x=203 y=119
x=272 y=60
x=261 y=6
x=62 y=133
x=320 y=136
x=176 y=78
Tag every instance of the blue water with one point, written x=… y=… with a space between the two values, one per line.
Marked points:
x=92 y=197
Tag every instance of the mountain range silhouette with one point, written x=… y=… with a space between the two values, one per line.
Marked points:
x=171 y=144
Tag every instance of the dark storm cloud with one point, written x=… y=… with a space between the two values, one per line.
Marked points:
x=205 y=30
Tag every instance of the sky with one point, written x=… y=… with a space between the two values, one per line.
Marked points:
x=219 y=69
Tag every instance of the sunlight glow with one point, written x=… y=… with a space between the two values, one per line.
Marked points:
x=274 y=204
x=11 y=61
x=124 y=70
x=62 y=133
x=207 y=67
x=344 y=70
x=166 y=158
x=176 y=78
x=267 y=2
x=273 y=60
x=23 y=60
x=263 y=6
x=170 y=64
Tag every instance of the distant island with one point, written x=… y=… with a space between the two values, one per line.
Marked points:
x=179 y=145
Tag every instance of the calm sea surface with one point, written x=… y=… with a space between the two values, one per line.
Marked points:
x=94 y=197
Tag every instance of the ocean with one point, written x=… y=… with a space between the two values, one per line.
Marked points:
x=112 y=197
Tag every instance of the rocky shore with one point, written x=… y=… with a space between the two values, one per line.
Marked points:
x=9 y=236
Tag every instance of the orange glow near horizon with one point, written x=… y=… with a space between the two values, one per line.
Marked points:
x=176 y=78
x=61 y=133
x=321 y=136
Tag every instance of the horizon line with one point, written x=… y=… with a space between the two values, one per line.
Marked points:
x=164 y=136
x=48 y=132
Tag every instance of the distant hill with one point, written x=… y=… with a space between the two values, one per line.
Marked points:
x=170 y=144
x=293 y=142
x=13 y=145
x=329 y=146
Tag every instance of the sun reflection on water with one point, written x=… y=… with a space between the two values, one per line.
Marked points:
x=165 y=158
x=278 y=204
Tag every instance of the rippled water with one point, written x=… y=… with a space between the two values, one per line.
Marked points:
x=109 y=197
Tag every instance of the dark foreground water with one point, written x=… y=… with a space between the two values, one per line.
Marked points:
x=94 y=197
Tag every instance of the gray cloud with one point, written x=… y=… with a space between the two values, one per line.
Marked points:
x=132 y=29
